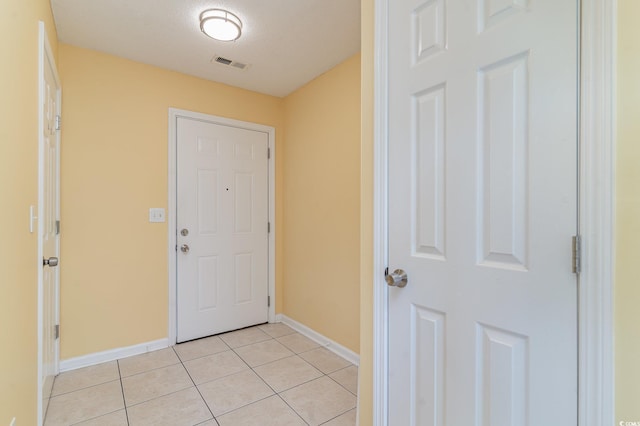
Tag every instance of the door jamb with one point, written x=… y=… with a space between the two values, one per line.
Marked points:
x=174 y=113
x=596 y=210
x=45 y=58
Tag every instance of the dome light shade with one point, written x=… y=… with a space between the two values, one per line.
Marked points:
x=220 y=24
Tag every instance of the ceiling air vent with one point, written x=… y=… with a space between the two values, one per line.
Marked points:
x=224 y=61
x=228 y=62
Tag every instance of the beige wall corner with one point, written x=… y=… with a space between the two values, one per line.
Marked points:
x=627 y=290
x=322 y=204
x=19 y=190
x=114 y=162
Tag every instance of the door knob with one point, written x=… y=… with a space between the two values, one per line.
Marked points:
x=397 y=278
x=50 y=262
x=184 y=232
x=184 y=248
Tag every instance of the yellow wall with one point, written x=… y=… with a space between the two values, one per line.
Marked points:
x=322 y=204
x=365 y=373
x=627 y=288
x=19 y=190
x=114 y=168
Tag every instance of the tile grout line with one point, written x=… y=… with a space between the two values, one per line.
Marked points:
x=275 y=393
x=149 y=370
x=292 y=409
x=341 y=414
x=84 y=388
x=233 y=349
x=343 y=386
x=124 y=401
x=297 y=355
x=195 y=386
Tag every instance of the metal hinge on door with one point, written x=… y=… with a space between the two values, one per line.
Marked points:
x=268 y=301
x=58 y=122
x=576 y=257
x=268 y=227
x=57 y=227
x=268 y=153
x=56 y=331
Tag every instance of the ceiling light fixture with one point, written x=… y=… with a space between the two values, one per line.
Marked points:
x=220 y=24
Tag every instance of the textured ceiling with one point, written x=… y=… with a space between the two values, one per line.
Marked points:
x=286 y=43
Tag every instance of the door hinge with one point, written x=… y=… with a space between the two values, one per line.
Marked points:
x=268 y=153
x=268 y=301
x=57 y=227
x=576 y=258
x=58 y=122
x=386 y=271
x=56 y=331
x=268 y=227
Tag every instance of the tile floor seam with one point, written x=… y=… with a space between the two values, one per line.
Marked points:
x=224 y=375
x=197 y=389
x=246 y=405
x=218 y=378
x=341 y=385
x=299 y=384
x=157 y=397
x=243 y=360
x=264 y=381
x=149 y=370
x=341 y=414
x=97 y=417
x=200 y=357
x=126 y=413
x=79 y=389
x=292 y=409
x=259 y=377
x=242 y=346
x=275 y=392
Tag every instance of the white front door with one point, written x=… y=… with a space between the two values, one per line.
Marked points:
x=482 y=209
x=222 y=235
x=49 y=230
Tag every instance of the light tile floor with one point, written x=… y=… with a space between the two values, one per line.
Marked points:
x=263 y=375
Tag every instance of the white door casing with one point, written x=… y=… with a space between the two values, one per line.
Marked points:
x=48 y=223
x=223 y=200
x=482 y=207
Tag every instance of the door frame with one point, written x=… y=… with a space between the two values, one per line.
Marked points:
x=174 y=114
x=45 y=56
x=596 y=205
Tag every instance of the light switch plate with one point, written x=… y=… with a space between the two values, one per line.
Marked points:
x=156 y=215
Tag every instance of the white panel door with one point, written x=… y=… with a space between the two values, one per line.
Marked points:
x=49 y=229
x=222 y=236
x=482 y=209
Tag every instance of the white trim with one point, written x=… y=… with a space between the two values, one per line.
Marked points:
x=171 y=216
x=380 y=218
x=45 y=56
x=596 y=209
x=320 y=339
x=597 y=204
x=112 y=355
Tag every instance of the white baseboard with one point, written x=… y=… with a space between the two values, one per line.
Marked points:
x=334 y=347
x=112 y=355
x=118 y=353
